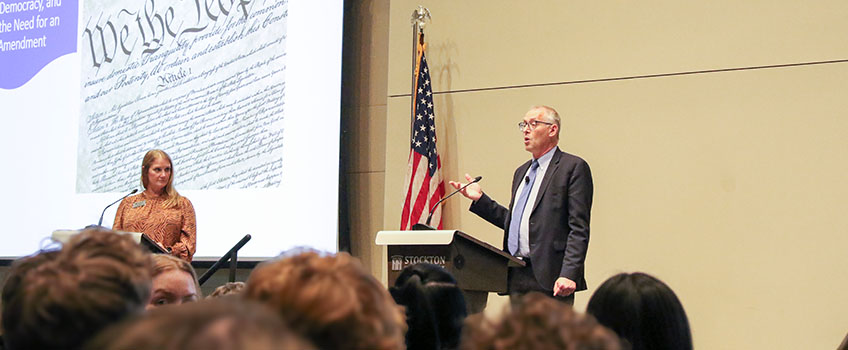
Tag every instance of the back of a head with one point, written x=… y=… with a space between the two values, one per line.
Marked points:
x=844 y=344
x=215 y=324
x=57 y=300
x=644 y=312
x=538 y=323
x=12 y=294
x=435 y=307
x=230 y=289
x=330 y=300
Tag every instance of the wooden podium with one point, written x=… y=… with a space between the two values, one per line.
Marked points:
x=479 y=267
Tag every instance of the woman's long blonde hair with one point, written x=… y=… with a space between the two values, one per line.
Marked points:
x=171 y=194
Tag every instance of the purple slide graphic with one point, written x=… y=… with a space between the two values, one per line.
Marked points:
x=33 y=35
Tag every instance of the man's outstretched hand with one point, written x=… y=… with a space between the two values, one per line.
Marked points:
x=472 y=192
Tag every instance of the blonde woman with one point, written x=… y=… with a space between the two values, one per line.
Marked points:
x=160 y=212
x=174 y=282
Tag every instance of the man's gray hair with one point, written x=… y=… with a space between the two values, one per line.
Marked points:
x=550 y=115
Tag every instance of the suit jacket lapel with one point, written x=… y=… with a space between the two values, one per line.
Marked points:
x=549 y=174
x=519 y=176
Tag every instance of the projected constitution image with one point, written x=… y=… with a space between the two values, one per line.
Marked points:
x=207 y=83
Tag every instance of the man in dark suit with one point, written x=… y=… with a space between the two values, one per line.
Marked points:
x=547 y=221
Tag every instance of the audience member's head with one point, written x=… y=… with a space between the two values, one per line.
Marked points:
x=12 y=284
x=218 y=324
x=844 y=344
x=231 y=288
x=643 y=310
x=538 y=322
x=59 y=299
x=174 y=282
x=330 y=300
x=435 y=307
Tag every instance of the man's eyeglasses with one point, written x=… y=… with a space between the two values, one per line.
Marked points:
x=533 y=124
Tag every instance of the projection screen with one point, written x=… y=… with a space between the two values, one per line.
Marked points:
x=244 y=96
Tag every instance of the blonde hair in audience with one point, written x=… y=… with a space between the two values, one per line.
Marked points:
x=166 y=262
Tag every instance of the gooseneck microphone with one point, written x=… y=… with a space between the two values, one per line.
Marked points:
x=113 y=203
x=430 y=216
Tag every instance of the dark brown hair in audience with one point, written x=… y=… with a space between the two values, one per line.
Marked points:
x=435 y=307
x=330 y=300
x=228 y=289
x=12 y=284
x=215 y=324
x=644 y=312
x=844 y=345
x=58 y=299
x=538 y=322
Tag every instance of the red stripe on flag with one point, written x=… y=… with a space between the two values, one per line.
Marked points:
x=415 y=158
x=421 y=201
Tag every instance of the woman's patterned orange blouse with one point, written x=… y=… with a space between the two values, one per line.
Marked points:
x=173 y=228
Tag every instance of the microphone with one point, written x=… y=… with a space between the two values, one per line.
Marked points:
x=113 y=203
x=427 y=226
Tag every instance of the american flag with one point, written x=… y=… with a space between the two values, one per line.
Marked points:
x=424 y=185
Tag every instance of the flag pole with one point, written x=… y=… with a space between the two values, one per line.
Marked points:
x=419 y=21
x=424 y=185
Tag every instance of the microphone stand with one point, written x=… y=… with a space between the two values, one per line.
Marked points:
x=99 y=222
x=426 y=226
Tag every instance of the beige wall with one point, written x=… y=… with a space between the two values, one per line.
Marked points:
x=364 y=110
x=722 y=177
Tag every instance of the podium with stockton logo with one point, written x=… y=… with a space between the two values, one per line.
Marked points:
x=479 y=267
